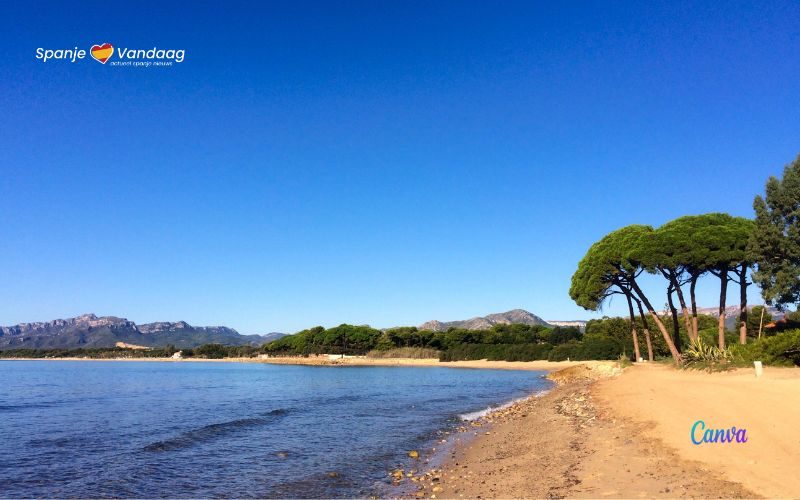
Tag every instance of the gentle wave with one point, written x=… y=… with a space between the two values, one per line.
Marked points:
x=56 y=442
x=475 y=415
x=26 y=406
x=210 y=431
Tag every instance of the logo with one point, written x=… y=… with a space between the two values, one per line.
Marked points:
x=702 y=435
x=102 y=52
x=131 y=57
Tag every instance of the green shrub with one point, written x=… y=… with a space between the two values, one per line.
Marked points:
x=496 y=352
x=781 y=349
x=595 y=347
x=405 y=352
x=566 y=351
x=211 y=351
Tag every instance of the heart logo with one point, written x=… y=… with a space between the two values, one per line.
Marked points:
x=102 y=52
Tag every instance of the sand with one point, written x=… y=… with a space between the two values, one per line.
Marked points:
x=669 y=401
x=628 y=437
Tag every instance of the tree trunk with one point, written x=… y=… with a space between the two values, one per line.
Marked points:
x=646 y=329
x=676 y=356
x=743 y=304
x=633 y=329
x=685 y=310
x=694 y=305
x=676 y=325
x=672 y=277
x=723 y=290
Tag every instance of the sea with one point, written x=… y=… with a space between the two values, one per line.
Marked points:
x=230 y=430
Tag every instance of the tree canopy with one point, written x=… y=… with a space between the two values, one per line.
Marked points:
x=775 y=245
x=616 y=261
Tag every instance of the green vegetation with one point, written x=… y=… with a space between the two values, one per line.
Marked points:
x=219 y=351
x=94 y=353
x=343 y=339
x=781 y=349
x=358 y=340
x=775 y=246
x=688 y=248
x=604 y=339
x=206 y=351
x=497 y=352
x=681 y=251
x=405 y=352
x=611 y=267
x=700 y=352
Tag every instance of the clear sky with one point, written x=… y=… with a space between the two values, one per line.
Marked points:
x=371 y=162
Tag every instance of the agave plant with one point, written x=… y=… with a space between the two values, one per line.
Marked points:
x=699 y=351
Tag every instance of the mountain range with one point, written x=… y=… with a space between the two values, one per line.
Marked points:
x=486 y=322
x=732 y=314
x=89 y=330
x=733 y=311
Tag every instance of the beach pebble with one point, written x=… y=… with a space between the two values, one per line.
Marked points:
x=413 y=454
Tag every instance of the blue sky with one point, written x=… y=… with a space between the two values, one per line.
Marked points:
x=372 y=162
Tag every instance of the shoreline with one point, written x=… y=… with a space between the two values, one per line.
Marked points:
x=462 y=472
x=541 y=365
x=452 y=439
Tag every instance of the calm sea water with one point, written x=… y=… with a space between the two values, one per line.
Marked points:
x=148 y=429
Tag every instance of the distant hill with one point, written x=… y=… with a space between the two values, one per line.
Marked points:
x=733 y=310
x=485 y=322
x=578 y=323
x=269 y=337
x=89 y=330
x=732 y=314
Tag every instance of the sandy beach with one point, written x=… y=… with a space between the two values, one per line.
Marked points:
x=672 y=400
x=629 y=437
